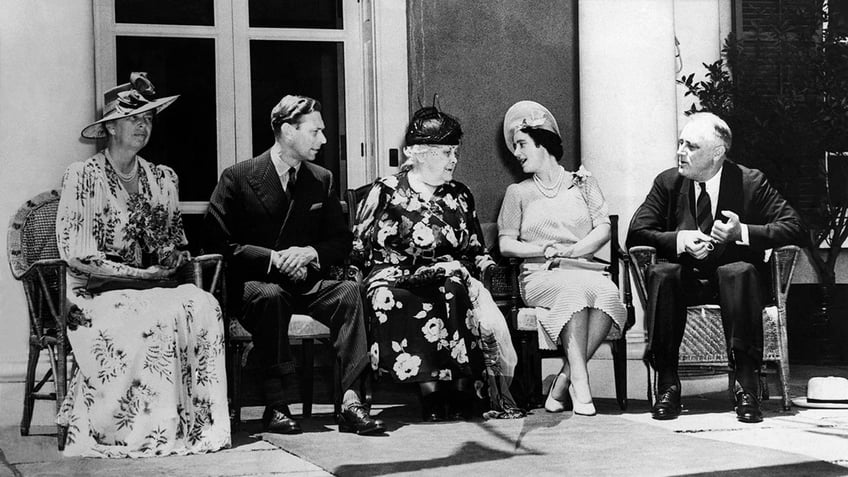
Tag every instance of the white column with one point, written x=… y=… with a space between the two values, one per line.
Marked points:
x=628 y=116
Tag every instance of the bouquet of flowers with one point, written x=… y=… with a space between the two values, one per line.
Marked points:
x=156 y=231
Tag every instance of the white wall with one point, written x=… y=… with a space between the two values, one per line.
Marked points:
x=630 y=106
x=46 y=97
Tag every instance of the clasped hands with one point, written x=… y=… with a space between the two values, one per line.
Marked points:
x=167 y=266
x=559 y=250
x=699 y=245
x=293 y=261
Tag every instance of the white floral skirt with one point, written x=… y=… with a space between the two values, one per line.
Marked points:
x=151 y=378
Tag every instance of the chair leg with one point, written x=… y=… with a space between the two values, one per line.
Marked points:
x=651 y=377
x=235 y=371
x=783 y=374
x=337 y=387
x=59 y=364
x=29 y=384
x=308 y=376
x=619 y=363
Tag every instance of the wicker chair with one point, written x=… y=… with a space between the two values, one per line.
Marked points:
x=504 y=286
x=704 y=344
x=34 y=260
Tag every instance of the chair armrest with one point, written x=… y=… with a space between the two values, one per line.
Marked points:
x=641 y=257
x=204 y=271
x=782 y=262
x=41 y=267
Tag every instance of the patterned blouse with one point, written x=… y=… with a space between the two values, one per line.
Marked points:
x=101 y=228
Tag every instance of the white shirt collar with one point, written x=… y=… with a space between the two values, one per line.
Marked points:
x=280 y=164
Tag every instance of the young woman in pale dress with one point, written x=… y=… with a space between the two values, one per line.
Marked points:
x=558 y=214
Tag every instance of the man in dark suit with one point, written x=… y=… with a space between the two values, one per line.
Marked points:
x=277 y=220
x=709 y=258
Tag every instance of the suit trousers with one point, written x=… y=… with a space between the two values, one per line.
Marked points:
x=267 y=310
x=735 y=286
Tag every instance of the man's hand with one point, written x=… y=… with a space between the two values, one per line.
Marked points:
x=559 y=250
x=728 y=231
x=298 y=274
x=696 y=243
x=289 y=260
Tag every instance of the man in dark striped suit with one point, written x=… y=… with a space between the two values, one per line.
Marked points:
x=278 y=222
x=712 y=221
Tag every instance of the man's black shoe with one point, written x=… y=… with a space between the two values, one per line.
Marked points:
x=355 y=418
x=278 y=419
x=748 y=408
x=668 y=403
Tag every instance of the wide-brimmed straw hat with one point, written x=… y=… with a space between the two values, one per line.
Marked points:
x=128 y=99
x=829 y=392
x=527 y=114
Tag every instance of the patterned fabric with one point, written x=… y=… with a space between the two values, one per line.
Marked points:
x=529 y=216
x=422 y=327
x=151 y=377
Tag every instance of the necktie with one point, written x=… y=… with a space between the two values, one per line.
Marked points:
x=704 y=210
x=290 y=182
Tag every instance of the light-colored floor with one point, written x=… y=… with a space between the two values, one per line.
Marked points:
x=706 y=440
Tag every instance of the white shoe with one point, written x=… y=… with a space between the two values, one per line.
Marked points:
x=581 y=408
x=551 y=404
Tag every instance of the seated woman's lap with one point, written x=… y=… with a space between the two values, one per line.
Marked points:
x=425 y=333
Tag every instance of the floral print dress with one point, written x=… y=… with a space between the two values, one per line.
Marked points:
x=150 y=375
x=422 y=327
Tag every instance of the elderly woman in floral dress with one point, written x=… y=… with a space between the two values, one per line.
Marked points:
x=558 y=217
x=417 y=235
x=150 y=377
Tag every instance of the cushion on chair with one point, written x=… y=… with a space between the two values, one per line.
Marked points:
x=304 y=327
x=704 y=342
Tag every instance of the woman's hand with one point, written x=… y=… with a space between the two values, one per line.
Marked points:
x=157 y=272
x=559 y=250
x=175 y=259
x=452 y=267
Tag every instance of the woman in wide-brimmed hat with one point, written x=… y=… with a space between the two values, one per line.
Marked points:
x=558 y=217
x=150 y=377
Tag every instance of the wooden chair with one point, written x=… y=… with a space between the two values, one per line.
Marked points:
x=704 y=344
x=34 y=260
x=524 y=323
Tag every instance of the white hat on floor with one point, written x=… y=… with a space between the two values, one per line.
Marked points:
x=829 y=392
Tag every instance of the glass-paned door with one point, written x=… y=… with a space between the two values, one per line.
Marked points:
x=231 y=61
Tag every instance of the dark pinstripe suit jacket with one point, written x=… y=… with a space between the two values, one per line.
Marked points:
x=670 y=206
x=249 y=216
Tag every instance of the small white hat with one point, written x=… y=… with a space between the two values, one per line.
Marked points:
x=527 y=114
x=829 y=392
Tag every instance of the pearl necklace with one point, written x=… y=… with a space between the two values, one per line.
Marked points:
x=549 y=191
x=129 y=176
x=124 y=177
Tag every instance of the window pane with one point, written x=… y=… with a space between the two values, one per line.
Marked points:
x=296 y=14
x=184 y=135
x=314 y=69
x=165 y=12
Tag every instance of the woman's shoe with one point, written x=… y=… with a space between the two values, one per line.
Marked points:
x=551 y=403
x=581 y=408
x=460 y=406
x=432 y=407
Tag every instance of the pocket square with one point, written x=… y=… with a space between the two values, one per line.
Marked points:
x=316 y=206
